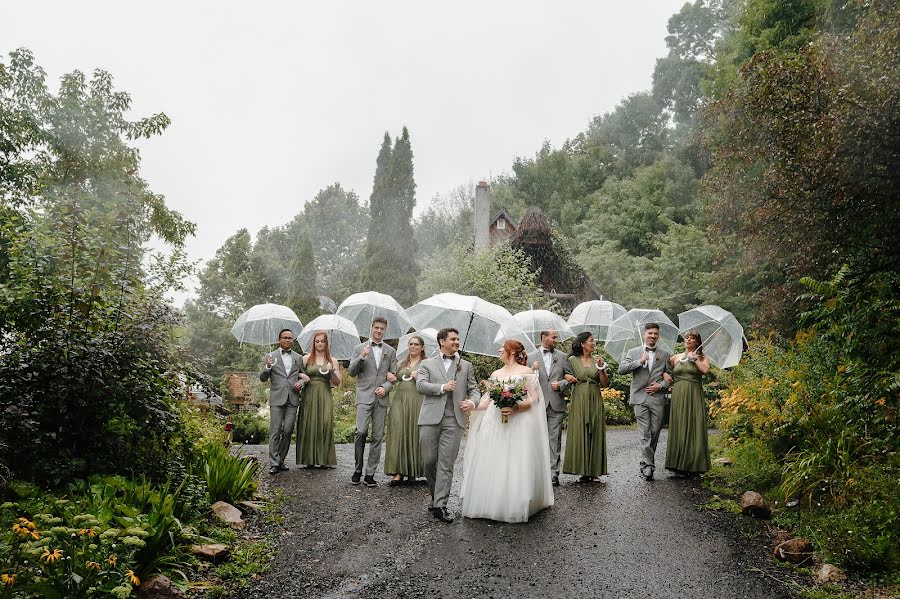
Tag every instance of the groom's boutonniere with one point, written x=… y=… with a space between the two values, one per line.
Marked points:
x=458 y=367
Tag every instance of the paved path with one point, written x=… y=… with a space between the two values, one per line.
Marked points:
x=627 y=538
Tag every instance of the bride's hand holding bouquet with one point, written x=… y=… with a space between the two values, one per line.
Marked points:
x=506 y=396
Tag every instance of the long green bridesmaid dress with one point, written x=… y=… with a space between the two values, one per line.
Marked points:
x=687 y=448
x=402 y=454
x=586 y=433
x=315 y=442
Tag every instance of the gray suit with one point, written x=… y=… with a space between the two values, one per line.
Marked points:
x=441 y=421
x=556 y=403
x=283 y=403
x=648 y=408
x=369 y=377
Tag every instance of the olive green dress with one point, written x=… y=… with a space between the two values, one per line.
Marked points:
x=402 y=455
x=688 y=447
x=315 y=444
x=586 y=435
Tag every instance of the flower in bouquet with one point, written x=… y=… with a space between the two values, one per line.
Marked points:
x=506 y=394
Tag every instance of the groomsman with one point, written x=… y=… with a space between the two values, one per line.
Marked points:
x=648 y=365
x=550 y=363
x=287 y=379
x=450 y=393
x=374 y=365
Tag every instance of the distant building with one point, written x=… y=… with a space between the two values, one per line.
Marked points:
x=502 y=227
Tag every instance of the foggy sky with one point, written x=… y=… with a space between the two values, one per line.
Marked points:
x=273 y=101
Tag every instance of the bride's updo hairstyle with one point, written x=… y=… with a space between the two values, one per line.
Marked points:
x=516 y=350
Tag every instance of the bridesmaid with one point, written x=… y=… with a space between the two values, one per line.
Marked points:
x=586 y=440
x=315 y=444
x=687 y=450
x=402 y=457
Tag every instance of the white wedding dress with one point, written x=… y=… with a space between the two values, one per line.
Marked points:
x=506 y=472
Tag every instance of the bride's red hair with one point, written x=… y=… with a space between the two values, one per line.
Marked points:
x=516 y=350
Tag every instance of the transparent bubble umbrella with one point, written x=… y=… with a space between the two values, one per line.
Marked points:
x=342 y=335
x=627 y=332
x=721 y=335
x=261 y=324
x=532 y=322
x=362 y=308
x=478 y=321
x=595 y=317
x=429 y=335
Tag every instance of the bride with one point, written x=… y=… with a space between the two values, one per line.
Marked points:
x=505 y=477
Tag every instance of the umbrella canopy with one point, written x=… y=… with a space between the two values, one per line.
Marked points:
x=342 y=335
x=429 y=335
x=595 y=317
x=627 y=332
x=362 y=308
x=532 y=322
x=482 y=325
x=261 y=324
x=721 y=335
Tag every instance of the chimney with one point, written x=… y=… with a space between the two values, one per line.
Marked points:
x=482 y=215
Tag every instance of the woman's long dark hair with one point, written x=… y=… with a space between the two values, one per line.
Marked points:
x=580 y=340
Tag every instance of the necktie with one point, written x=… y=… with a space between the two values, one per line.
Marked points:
x=548 y=351
x=285 y=351
x=375 y=344
x=649 y=349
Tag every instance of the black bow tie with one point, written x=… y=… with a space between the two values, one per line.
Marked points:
x=548 y=351
x=286 y=351
x=375 y=344
x=649 y=349
x=446 y=357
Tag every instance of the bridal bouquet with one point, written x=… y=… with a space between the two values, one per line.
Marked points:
x=506 y=395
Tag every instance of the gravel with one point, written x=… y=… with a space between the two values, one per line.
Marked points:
x=625 y=538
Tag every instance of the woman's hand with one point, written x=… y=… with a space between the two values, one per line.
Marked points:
x=303 y=377
x=570 y=379
x=391 y=377
x=414 y=374
x=507 y=411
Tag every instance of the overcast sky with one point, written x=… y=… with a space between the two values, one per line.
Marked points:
x=272 y=101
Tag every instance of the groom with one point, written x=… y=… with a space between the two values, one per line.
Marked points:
x=448 y=384
x=550 y=364
x=648 y=364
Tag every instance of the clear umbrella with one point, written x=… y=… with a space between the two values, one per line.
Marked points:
x=362 y=308
x=429 y=335
x=722 y=336
x=532 y=322
x=261 y=324
x=342 y=335
x=627 y=332
x=595 y=317
x=481 y=324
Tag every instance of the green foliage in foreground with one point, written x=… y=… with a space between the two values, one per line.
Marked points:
x=229 y=477
x=815 y=420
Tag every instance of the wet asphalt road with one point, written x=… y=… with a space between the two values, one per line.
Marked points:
x=625 y=538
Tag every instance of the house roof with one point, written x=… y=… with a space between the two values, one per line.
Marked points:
x=506 y=216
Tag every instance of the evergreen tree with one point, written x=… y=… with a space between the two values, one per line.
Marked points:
x=302 y=296
x=391 y=246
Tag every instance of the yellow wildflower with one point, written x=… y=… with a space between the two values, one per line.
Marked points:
x=92 y=566
x=131 y=576
x=111 y=560
x=87 y=531
x=51 y=557
x=8 y=579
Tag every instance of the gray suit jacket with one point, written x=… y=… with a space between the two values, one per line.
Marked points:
x=281 y=388
x=369 y=377
x=429 y=380
x=554 y=399
x=641 y=376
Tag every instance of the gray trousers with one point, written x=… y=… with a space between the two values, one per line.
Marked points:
x=281 y=427
x=649 y=418
x=554 y=429
x=376 y=413
x=439 y=445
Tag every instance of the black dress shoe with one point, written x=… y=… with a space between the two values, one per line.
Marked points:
x=369 y=481
x=395 y=482
x=356 y=478
x=274 y=470
x=282 y=468
x=442 y=514
x=555 y=480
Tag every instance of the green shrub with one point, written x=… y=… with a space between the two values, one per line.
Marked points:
x=229 y=478
x=250 y=427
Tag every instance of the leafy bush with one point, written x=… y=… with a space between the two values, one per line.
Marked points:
x=250 y=427
x=617 y=411
x=230 y=478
